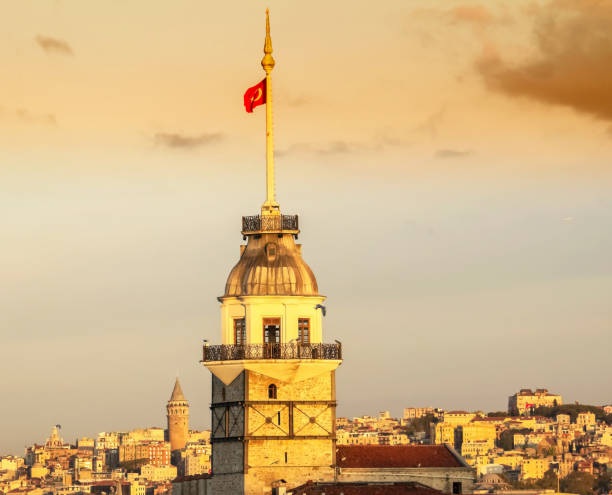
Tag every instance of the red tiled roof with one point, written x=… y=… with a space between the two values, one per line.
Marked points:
x=362 y=488
x=390 y=456
x=192 y=477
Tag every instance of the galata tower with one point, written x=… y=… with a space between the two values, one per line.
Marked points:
x=178 y=418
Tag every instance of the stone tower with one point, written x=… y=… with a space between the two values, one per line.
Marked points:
x=273 y=400
x=178 y=418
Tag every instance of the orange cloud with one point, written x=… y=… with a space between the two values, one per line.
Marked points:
x=54 y=45
x=471 y=13
x=574 y=64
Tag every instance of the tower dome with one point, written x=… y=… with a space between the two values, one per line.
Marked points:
x=271 y=264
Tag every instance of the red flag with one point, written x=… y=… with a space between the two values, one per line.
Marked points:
x=255 y=96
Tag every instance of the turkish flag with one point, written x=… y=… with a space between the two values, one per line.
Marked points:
x=255 y=96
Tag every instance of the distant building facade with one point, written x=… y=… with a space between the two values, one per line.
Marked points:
x=527 y=400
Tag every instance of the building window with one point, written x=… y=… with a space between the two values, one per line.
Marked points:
x=272 y=338
x=304 y=331
x=272 y=391
x=223 y=394
x=456 y=487
x=278 y=418
x=239 y=331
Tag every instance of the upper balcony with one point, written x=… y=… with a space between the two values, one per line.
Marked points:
x=258 y=224
x=272 y=351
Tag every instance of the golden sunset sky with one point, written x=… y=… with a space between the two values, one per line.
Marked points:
x=451 y=162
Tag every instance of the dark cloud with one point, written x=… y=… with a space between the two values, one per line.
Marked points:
x=446 y=153
x=54 y=45
x=182 y=141
x=574 y=63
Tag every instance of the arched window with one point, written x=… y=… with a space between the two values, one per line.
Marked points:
x=272 y=391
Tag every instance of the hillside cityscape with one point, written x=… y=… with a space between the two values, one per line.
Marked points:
x=451 y=160
x=538 y=445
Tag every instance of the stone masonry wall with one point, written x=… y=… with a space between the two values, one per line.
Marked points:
x=439 y=478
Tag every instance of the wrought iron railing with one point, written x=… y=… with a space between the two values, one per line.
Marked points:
x=272 y=351
x=257 y=223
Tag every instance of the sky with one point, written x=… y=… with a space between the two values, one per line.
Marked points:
x=450 y=160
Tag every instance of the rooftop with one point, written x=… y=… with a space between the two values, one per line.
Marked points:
x=363 y=488
x=397 y=456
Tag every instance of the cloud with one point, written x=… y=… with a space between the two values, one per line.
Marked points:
x=573 y=64
x=447 y=153
x=182 y=141
x=477 y=14
x=379 y=142
x=28 y=117
x=431 y=125
x=54 y=45
x=338 y=147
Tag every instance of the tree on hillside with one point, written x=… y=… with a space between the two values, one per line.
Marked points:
x=603 y=483
x=497 y=414
x=133 y=465
x=578 y=482
x=506 y=440
x=549 y=481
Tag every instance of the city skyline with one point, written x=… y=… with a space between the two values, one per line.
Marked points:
x=457 y=216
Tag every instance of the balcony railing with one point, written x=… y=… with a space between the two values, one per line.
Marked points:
x=272 y=351
x=273 y=223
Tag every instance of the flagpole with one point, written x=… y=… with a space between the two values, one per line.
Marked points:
x=270 y=206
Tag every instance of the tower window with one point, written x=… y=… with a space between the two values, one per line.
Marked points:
x=286 y=457
x=278 y=418
x=223 y=394
x=272 y=391
x=227 y=422
x=272 y=338
x=304 y=330
x=239 y=331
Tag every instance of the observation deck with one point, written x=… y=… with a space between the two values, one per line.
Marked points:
x=270 y=224
x=272 y=351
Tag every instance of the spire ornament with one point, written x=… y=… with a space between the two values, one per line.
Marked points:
x=270 y=206
x=268 y=61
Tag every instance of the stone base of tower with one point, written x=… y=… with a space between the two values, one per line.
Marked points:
x=265 y=430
